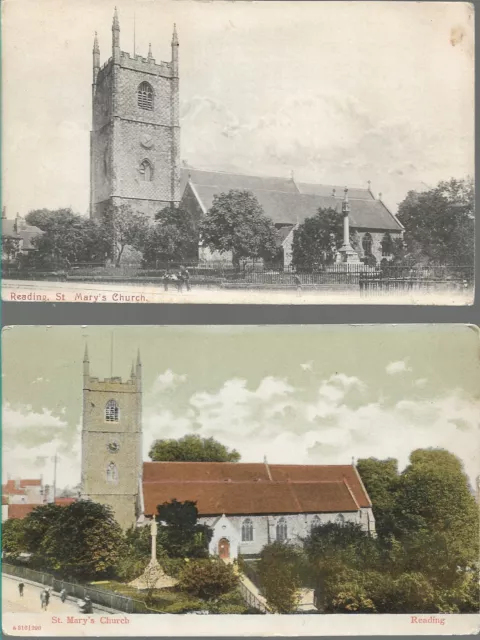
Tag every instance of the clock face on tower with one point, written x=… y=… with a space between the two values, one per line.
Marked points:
x=113 y=446
x=146 y=141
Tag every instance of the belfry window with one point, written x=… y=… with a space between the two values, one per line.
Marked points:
x=282 y=532
x=112 y=473
x=146 y=171
x=247 y=530
x=112 y=411
x=145 y=96
x=367 y=244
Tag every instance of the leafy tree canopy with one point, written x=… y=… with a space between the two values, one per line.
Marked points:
x=83 y=541
x=192 y=448
x=439 y=223
x=127 y=228
x=236 y=222
x=181 y=536
x=13 y=537
x=380 y=478
x=317 y=239
x=173 y=237
x=67 y=238
x=208 y=579
x=280 y=573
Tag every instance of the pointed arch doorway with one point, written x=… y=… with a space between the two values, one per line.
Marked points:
x=224 y=548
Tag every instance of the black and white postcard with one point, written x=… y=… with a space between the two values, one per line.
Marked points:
x=238 y=152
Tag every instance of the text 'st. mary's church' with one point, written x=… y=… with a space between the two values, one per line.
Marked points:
x=135 y=137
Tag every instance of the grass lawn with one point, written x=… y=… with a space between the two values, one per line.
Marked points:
x=174 y=600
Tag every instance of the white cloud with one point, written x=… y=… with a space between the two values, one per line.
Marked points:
x=421 y=382
x=307 y=366
x=31 y=439
x=277 y=420
x=399 y=366
x=168 y=381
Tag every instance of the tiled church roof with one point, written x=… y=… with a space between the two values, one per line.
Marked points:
x=288 y=202
x=238 y=488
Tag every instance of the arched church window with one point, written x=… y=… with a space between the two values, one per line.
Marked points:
x=340 y=519
x=247 y=530
x=146 y=171
x=145 y=96
x=367 y=244
x=112 y=411
x=282 y=530
x=315 y=522
x=112 y=473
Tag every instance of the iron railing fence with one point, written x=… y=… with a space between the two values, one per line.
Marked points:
x=100 y=597
x=251 y=599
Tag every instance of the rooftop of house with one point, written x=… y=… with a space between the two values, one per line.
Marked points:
x=286 y=201
x=18 y=229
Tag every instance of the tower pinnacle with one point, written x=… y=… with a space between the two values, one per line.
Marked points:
x=116 y=23
x=174 y=36
x=116 y=35
x=150 y=56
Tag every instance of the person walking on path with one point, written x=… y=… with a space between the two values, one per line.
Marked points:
x=63 y=595
x=186 y=277
x=298 y=283
x=20 y=588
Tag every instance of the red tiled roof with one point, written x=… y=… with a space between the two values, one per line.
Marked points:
x=20 y=510
x=223 y=487
x=64 y=501
x=30 y=483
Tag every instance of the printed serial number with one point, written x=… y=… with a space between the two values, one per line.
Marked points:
x=27 y=627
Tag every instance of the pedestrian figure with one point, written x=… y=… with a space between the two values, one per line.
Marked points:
x=63 y=595
x=44 y=598
x=166 y=280
x=20 y=589
x=186 y=278
x=298 y=283
x=180 y=282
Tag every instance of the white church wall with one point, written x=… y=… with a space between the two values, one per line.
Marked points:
x=265 y=528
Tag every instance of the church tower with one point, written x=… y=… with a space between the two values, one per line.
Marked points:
x=112 y=442
x=135 y=137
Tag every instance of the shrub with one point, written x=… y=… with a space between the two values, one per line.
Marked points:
x=208 y=579
x=185 y=606
x=279 y=571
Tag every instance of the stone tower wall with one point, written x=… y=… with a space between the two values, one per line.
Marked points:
x=124 y=135
x=122 y=494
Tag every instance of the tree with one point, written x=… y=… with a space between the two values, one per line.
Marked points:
x=13 y=537
x=436 y=516
x=181 y=536
x=10 y=247
x=126 y=228
x=192 y=448
x=136 y=555
x=236 y=222
x=280 y=571
x=173 y=237
x=380 y=478
x=439 y=223
x=84 y=541
x=67 y=238
x=318 y=238
x=37 y=524
x=208 y=579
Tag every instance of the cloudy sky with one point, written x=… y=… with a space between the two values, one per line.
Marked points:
x=337 y=92
x=313 y=395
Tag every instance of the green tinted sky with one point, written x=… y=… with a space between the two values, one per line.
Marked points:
x=296 y=394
